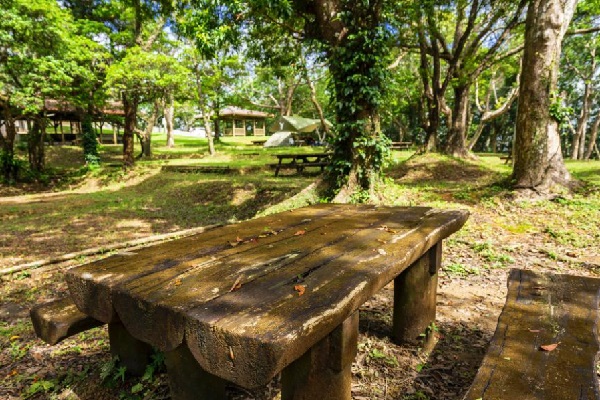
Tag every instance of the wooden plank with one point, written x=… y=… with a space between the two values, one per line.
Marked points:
x=168 y=294
x=542 y=310
x=56 y=320
x=90 y=285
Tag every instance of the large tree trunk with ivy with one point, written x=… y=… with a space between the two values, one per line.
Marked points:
x=130 y=106
x=538 y=161
x=35 y=144
x=355 y=42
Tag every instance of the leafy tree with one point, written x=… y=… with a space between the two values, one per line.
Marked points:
x=457 y=42
x=146 y=77
x=38 y=60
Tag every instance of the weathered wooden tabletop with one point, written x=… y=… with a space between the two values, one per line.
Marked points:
x=250 y=298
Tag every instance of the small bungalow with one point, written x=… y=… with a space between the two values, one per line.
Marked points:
x=65 y=124
x=240 y=122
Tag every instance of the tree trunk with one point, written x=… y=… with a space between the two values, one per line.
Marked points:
x=578 y=144
x=145 y=136
x=593 y=136
x=169 y=112
x=538 y=161
x=209 y=134
x=315 y=101
x=35 y=144
x=130 y=106
x=9 y=171
x=456 y=145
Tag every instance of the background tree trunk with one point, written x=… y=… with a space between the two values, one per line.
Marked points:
x=538 y=161
x=9 y=171
x=169 y=112
x=130 y=106
x=593 y=136
x=35 y=144
x=456 y=145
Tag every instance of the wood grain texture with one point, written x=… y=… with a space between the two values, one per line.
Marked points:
x=181 y=292
x=543 y=310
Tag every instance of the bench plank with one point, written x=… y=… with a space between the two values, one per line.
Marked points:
x=56 y=320
x=542 y=310
x=340 y=254
x=90 y=285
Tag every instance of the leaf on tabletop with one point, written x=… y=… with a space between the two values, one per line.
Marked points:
x=300 y=232
x=549 y=347
x=300 y=289
x=236 y=285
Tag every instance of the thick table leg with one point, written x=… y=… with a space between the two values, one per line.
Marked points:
x=324 y=371
x=187 y=379
x=133 y=353
x=415 y=297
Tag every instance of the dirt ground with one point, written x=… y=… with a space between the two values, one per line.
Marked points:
x=559 y=236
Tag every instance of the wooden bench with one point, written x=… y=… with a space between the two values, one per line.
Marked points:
x=401 y=145
x=277 y=294
x=59 y=319
x=198 y=169
x=546 y=342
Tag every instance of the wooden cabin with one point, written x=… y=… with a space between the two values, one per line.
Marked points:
x=239 y=122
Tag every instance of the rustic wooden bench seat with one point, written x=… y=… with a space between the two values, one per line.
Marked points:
x=277 y=294
x=546 y=342
x=56 y=320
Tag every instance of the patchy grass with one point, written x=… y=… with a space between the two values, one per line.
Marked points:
x=105 y=206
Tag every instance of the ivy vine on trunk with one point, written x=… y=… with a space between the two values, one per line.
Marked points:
x=355 y=42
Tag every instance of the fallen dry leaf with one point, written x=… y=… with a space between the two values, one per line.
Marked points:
x=382 y=252
x=231 y=355
x=233 y=244
x=300 y=232
x=534 y=330
x=177 y=282
x=236 y=285
x=549 y=347
x=239 y=239
x=300 y=289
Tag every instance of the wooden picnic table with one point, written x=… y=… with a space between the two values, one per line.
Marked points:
x=244 y=302
x=300 y=161
x=401 y=145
